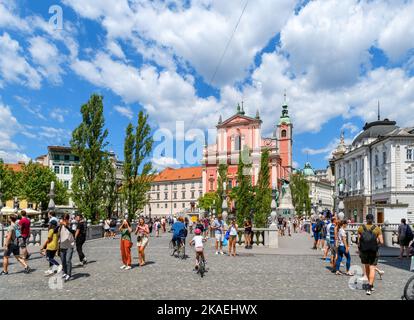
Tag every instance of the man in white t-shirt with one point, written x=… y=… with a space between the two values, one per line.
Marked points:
x=218 y=228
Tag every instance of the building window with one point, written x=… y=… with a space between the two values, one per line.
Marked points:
x=175 y=187
x=66 y=170
x=165 y=187
x=384 y=157
x=237 y=143
x=284 y=133
x=76 y=158
x=158 y=196
x=376 y=160
x=192 y=194
x=175 y=205
x=175 y=195
x=166 y=196
x=183 y=204
x=158 y=205
x=192 y=185
x=409 y=154
x=56 y=157
x=66 y=184
x=166 y=205
x=56 y=169
x=183 y=195
x=158 y=187
x=67 y=157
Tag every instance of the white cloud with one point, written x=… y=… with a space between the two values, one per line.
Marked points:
x=350 y=126
x=165 y=95
x=197 y=32
x=124 y=111
x=9 y=150
x=14 y=67
x=46 y=55
x=9 y=17
x=58 y=114
x=163 y=162
x=115 y=49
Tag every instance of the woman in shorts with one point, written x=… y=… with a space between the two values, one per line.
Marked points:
x=142 y=240
x=233 y=229
x=248 y=234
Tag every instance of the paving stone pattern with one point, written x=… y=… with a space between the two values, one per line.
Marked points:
x=253 y=274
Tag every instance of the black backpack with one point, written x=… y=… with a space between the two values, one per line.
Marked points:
x=368 y=240
x=318 y=227
x=112 y=224
x=409 y=233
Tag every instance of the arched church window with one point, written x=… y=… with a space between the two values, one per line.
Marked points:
x=284 y=134
x=237 y=143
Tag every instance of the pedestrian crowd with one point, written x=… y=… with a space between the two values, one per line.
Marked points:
x=330 y=236
x=63 y=237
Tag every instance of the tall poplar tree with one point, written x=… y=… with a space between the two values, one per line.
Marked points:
x=222 y=177
x=299 y=189
x=88 y=142
x=244 y=193
x=263 y=197
x=137 y=170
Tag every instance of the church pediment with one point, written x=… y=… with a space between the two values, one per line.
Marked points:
x=238 y=120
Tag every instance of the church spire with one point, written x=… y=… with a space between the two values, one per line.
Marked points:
x=284 y=118
x=242 y=108
x=257 y=114
x=220 y=120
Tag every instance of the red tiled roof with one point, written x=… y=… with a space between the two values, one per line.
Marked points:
x=171 y=174
x=16 y=167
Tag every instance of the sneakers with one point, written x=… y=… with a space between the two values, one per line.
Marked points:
x=28 y=256
x=49 y=272
x=4 y=273
x=84 y=262
x=123 y=267
x=221 y=252
x=64 y=276
x=216 y=252
x=369 y=290
x=68 y=278
x=59 y=268
x=128 y=268
x=27 y=269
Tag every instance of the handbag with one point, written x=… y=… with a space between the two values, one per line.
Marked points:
x=227 y=235
x=225 y=242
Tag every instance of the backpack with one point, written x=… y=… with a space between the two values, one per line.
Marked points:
x=318 y=227
x=17 y=232
x=409 y=233
x=66 y=238
x=368 y=240
x=112 y=224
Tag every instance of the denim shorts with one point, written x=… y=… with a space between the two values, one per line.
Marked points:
x=12 y=249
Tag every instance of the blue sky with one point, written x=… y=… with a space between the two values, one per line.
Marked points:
x=335 y=59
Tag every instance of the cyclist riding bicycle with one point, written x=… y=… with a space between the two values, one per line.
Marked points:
x=179 y=232
x=197 y=241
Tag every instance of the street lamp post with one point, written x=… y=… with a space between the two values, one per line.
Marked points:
x=224 y=204
x=273 y=224
x=51 y=195
x=1 y=204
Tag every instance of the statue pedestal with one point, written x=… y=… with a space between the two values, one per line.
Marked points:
x=273 y=238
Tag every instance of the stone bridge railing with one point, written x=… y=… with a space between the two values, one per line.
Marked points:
x=261 y=237
x=389 y=232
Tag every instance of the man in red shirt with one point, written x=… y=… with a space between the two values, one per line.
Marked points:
x=24 y=224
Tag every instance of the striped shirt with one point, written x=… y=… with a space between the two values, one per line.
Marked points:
x=332 y=234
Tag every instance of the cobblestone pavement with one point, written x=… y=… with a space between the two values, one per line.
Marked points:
x=250 y=275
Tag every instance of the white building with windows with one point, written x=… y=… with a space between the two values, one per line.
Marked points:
x=61 y=160
x=321 y=187
x=174 y=191
x=378 y=171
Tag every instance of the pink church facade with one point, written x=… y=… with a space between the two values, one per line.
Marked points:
x=241 y=131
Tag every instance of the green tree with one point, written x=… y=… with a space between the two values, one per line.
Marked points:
x=88 y=142
x=8 y=182
x=244 y=193
x=110 y=195
x=34 y=185
x=137 y=148
x=299 y=189
x=263 y=197
x=222 y=177
x=206 y=202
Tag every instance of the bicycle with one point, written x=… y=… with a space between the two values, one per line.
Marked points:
x=409 y=289
x=201 y=267
x=177 y=251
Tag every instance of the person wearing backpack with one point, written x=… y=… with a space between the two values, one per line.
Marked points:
x=369 y=239
x=11 y=246
x=405 y=235
x=66 y=246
